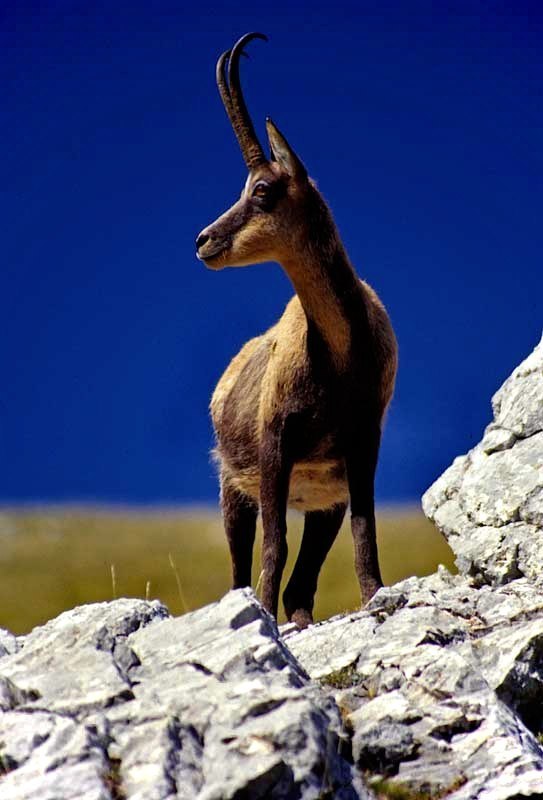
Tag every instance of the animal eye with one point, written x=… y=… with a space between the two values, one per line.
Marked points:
x=261 y=189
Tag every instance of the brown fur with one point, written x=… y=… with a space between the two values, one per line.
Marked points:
x=298 y=412
x=266 y=372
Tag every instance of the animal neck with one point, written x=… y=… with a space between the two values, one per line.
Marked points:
x=328 y=288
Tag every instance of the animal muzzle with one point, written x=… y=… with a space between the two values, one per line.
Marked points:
x=209 y=246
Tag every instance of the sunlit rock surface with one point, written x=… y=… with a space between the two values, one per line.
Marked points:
x=440 y=685
x=120 y=700
x=489 y=503
x=436 y=688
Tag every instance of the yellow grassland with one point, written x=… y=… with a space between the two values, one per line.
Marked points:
x=54 y=558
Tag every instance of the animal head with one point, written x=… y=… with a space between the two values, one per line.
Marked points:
x=266 y=221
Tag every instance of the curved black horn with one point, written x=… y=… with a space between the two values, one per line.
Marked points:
x=232 y=97
x=224 y=91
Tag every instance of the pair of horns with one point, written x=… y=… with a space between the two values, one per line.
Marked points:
x=232 y=97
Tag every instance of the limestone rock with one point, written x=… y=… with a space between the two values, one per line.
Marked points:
x=435 y=688
x=489 y=503
x=442 y=688
x=120 y=700
x=8 y=643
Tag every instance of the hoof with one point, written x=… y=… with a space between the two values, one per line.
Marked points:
x=302 y=618
x=370 y=588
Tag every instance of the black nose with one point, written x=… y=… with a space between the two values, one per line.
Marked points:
x=201 y=240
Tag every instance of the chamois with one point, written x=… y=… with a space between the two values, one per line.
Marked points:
x=298 y=412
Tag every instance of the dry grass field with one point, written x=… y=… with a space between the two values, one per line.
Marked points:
x=54 y=558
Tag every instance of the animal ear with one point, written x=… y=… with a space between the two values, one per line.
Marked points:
x=283 y=153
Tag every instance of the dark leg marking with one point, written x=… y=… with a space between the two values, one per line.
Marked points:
x=320 y=531
x=361 y=461
x=275 y=469
x=239 y=515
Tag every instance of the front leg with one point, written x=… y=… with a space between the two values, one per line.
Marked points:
x=239 y=515
x=275 y=468
x=320 y=531
x=361 y=461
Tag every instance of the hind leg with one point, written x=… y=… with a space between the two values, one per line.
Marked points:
x=320 y=531
x=239 y=516
x=361 y=460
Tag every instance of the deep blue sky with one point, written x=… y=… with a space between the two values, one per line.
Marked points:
x=422 y=123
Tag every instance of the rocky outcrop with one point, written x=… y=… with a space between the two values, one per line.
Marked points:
x=434 y=690
x=489 y=503
x=440 y=686
x=120 y=700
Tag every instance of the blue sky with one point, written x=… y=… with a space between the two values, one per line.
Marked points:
x=422 y=124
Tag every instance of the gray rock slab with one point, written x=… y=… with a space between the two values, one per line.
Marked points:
x=51 y=757
x=77 y=662
x=8 y=643
x=489 y=503
x=120 y=700
x=223 y=675
x=443 y=690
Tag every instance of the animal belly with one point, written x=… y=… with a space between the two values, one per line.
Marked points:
x=314 y=485
x=318 y=485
